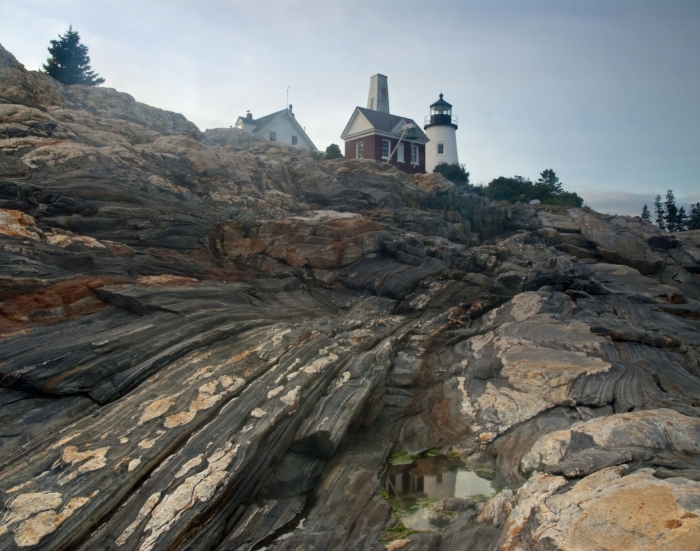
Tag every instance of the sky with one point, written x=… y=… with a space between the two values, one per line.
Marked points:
x=604 y=92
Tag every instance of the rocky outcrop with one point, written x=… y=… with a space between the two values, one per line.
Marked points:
x=209 y=341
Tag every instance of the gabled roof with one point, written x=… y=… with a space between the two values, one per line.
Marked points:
x=246 y=120
x=386 y=122
x=263 y=123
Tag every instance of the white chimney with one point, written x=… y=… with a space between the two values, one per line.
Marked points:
x=378 y=99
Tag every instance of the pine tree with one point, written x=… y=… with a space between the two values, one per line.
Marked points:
x=671 y=212
x=646 y=215
x=681 y=220
x=694 y=220
x=660 y=213
x=549 y=179
x=69 y=62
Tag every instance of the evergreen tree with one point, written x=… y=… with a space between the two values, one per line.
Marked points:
x=671 y=212
x=69 y=62
x=694 y=219
x=681 y=220
x=333 y=152
x=646 y=215
x=548 y=178
x=660 y=213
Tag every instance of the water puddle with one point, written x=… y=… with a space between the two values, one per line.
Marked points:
x=414 y=485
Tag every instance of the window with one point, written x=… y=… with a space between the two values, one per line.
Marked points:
x=414 y=155
x=294 y=140
x=399 y=153
x=273 y=136
x=359 y=149
x=441 y=148
x=386 y=145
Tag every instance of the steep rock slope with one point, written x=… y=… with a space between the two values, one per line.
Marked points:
x=210 y=341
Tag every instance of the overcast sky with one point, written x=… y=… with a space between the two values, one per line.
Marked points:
x=605 y=92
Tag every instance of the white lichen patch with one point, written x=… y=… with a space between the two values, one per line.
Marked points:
x=94 y=460
x=133 y=464
x=466 y=406
x=156 y=408
x=65 y=440
x=291 y=399
x=207 y=397
x=187 y=467
x=147 y=443
x=277 y=338
x=62 y=240
x=274 y=392
x=151 y=502
x=19 y=487
x=25 y=505
x=258 y=413
x=178 y=419
x=198 y=487
x=123 y=440
x=37 y=516
x=320 y=363
x=344 y=378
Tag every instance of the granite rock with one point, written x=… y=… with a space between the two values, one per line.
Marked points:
x=209 y=341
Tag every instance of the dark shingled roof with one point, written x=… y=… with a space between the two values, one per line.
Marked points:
x=263 y=121
x=387 y=122
x=246 y=120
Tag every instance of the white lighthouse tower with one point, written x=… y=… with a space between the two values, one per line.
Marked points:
x=441 y=128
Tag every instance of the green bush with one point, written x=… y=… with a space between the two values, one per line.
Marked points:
x=454 y=173
x=547 y=189
x=333 y=152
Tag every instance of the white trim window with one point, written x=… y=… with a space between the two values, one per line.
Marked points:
x=399 y=153
x=441 y=149
x=415 y=160
x=295 y=140
x=273 y=136
x=359 y=149
x=386 y=149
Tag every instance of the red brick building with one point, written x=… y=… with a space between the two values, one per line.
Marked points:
x=374 y=133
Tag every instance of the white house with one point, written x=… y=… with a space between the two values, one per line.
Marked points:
x=281 y=127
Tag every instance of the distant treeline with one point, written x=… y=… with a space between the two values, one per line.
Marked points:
x=547 y=189
x=668 y=217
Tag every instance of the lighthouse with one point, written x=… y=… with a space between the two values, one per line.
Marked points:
x=441 y=128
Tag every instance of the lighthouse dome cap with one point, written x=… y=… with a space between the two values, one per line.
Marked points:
x=441 y=103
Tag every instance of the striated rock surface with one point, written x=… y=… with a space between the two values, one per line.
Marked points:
x=213 y=342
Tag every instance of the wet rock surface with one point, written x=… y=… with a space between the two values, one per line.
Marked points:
x=209 y=341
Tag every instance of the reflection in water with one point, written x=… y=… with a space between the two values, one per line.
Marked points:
x=413 y=486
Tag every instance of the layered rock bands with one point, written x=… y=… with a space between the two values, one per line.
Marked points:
x=213 y=342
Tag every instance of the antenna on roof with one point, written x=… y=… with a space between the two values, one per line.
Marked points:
x=288 y=87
